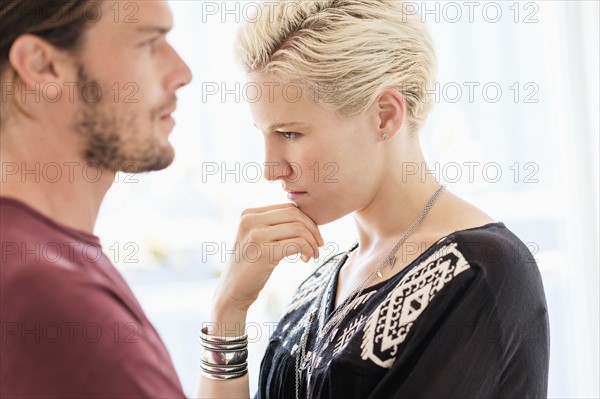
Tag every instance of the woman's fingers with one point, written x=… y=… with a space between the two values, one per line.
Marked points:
x=265 y=236
x=292 y=230
x=278 y=215
x=293 y=246
x=267 y=208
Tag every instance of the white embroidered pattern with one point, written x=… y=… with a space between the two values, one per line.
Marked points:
x=309 y=291
x=313 y=286
x=347 y=334
x=390 y=323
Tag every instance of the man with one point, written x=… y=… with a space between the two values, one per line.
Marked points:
x=88 y=89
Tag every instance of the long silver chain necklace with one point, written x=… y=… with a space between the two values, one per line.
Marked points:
x=306 y=361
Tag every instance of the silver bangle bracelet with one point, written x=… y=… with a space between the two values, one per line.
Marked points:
x=224 y=347
x=223 y=376
x=225 y=357
x=224 y=343
x=223 y=368
x=221 y=340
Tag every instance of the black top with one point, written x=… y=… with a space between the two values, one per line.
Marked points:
x=466 y=319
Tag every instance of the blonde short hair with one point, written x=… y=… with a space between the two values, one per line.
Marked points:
x=345 y=51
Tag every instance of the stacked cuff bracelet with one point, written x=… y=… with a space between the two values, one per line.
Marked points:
x=223 y=358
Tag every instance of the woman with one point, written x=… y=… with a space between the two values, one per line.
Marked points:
x=436 y=298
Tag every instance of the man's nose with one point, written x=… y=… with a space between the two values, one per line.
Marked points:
x=181 y=75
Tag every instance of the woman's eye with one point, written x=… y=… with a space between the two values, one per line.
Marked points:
x=289 y=135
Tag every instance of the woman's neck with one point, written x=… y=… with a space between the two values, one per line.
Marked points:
x=402 y=196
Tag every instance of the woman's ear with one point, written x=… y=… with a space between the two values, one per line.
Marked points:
x=391 y=112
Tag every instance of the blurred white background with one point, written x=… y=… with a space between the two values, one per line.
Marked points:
x=518 y=95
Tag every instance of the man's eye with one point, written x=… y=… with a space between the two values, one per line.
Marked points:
x=151 y=43
x=289 y=135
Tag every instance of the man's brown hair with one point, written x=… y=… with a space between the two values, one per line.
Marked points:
x=59 y=22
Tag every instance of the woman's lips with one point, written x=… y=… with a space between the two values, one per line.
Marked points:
x=293 y=194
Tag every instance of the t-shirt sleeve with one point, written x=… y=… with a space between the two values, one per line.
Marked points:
x=78 y=339
x=472 y=343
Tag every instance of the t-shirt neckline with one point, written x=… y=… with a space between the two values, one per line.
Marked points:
x=77 y=234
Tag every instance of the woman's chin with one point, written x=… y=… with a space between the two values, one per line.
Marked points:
x=320 y=217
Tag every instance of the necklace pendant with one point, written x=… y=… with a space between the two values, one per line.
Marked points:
x=379 y=274
x=392 y=261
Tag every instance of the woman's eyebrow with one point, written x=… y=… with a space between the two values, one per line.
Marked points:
x=276 y=126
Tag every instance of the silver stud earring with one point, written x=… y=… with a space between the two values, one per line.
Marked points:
x=385 y=136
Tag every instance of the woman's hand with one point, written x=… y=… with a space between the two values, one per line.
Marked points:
x=265 y=236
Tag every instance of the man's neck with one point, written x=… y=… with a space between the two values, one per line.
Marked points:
x=42 y=166
x=68 y=192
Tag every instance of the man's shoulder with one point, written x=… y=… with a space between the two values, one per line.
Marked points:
x=38 y=289
x=32 y=243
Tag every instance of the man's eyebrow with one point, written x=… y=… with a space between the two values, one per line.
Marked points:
x=154 y=29
x=276 y=126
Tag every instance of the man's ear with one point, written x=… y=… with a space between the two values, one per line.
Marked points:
x=391 y=112
x=35 y=61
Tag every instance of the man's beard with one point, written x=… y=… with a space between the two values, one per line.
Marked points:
x=112 y=138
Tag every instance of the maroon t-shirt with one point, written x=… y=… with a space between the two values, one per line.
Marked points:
x=71 y=327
